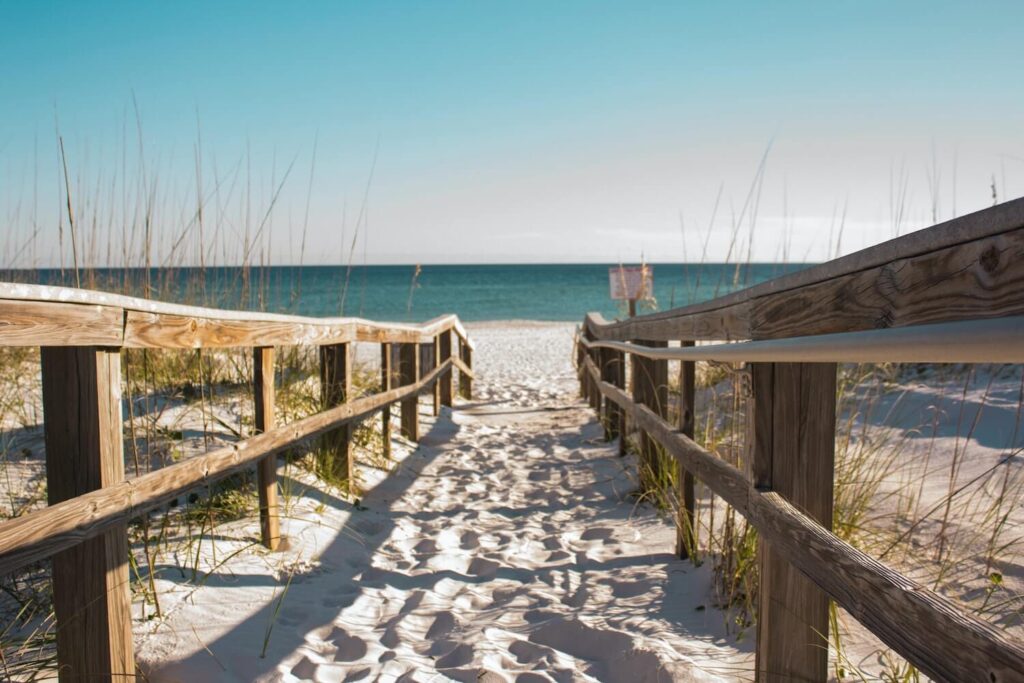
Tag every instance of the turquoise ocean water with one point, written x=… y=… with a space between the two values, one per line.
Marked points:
x=397 y=293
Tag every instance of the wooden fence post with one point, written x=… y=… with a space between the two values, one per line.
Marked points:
x=619 y=380
x=650 y=387
x=386 y=375
x=85 y=451
x=409 y=372
x=444 y=352
x=595 y=392
x=431 y=353
x=686 y=532
x=581 y=354
x=335 y=389
x=266 y=470
x=794 y=417
x=609 y=365
x=465 y=381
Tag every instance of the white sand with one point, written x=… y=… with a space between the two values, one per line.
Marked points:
x=505 y=547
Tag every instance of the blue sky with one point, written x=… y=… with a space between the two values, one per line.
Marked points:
x=522 y=131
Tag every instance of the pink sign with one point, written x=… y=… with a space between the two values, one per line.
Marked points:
x=630 y=282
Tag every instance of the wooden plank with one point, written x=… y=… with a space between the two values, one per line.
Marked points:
x=686 y=531
x=408 y=373
x=435 y=359
x=466 y=378
x=462 y=367
x=386 y=377
x=594 y=398
x=610 y=361
x=979 y=279
x=650 y=388
x=732 y=316
x=930 y=631
x=794 y=442
x=335 y=389
x=84 y=452
x=447 y=382
x=581 y=354
x=224 y=329
x=42 y=533
x=33 y=323
x=619 y=380
x=266 y=469
x=164 y=331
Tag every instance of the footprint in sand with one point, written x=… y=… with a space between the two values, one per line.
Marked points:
x=292 y=616
x=368 y=527
x=305 y=669
x=470 y=541
x=460 y=656
x=526 y=652
x=553 y=543
x=425 y=547
x=483 y=567
x=596 y=534
x=349 y=648
x=529 y=677
x=442 y=626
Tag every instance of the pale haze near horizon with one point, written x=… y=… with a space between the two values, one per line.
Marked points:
x=463 y=133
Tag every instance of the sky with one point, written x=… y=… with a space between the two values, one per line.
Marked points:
x=475 y=132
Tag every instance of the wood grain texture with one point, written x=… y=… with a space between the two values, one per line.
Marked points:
x=595 y=398
x=650 y=388
x=63 y=525
x=870 y=288
x=408 y=373
x=979 y=279
x=34 y=315
x=686 y=531
x=222 y=329
x=84 y=453
x=32 y=323
x=462 y=368
x=335 y=389
x=611 y=363
x=264 y=399
x=793 y=456
x=466 y=371
x=387 y=377
x=446 y=385
x=434 y=352
x=930 y=631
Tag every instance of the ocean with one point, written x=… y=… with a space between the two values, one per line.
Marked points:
x=401 y=293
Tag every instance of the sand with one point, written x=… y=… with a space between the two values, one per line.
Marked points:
x=504 y=547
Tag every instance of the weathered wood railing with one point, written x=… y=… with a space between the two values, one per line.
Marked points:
x=83 y=530
x=950 y=293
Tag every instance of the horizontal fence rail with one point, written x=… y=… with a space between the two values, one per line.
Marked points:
x=965 y=268
x=999 y=340
x=83 y=529
x=933 y=633
x=38 y=315
x=40 y=534
x=953 y=293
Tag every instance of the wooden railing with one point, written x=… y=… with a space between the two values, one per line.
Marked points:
x=950 y=293
x=83 y=530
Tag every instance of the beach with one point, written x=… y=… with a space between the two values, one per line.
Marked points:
x=506 y=547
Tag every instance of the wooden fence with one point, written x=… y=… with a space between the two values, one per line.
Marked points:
x=950 y=293
x=83 y=529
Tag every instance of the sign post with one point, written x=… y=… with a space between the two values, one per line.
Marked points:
x=630 y=283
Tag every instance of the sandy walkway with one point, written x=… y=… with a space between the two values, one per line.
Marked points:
x=504 y=548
